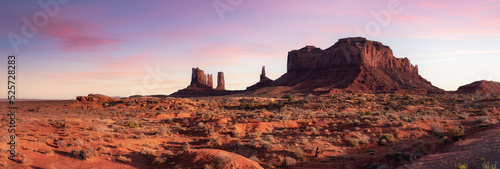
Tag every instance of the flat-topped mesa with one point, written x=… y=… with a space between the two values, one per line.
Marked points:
x=348 y=52
x=220 y=81
x=352 y=64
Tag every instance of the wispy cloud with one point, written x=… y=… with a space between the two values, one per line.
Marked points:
x=78 y=35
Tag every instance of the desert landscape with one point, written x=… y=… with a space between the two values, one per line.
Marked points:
x=352 y=105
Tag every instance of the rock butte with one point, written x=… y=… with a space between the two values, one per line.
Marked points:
x=351 y=65
x=480 y=87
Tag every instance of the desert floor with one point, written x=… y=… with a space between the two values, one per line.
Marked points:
x=300 y=131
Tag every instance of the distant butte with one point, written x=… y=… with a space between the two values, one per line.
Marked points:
x=480 y=87
x=351 y=65
x=202 y=85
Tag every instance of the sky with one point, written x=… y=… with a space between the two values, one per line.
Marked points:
x=67 y=48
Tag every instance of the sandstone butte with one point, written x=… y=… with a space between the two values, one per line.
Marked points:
x=351 y=65
x=480 y=87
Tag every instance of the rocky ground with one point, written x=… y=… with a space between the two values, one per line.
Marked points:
x=298 y=131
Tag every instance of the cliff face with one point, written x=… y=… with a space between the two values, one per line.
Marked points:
x=480 y=87
x=220 y=81
x=202 y=85
x=350 y=65
x=348 y=52
x=354 y=64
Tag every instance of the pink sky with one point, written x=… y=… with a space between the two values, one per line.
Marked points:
x=120 y=48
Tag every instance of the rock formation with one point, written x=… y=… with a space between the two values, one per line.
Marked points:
x=353 y=64
x=220 y=81
x=350 y=65
x=209 y=81
x=202 y=85
x=201 y=157
x=96 y=98
x=480 y=87
x=198 y=80
x=264 y=81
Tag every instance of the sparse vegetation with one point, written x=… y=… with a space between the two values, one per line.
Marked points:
x=270 y=131
x=488 y=165
x=299 y=153
x=288 y=162
x=124 y=159
x=457 y=133
x=132 y=124
x=462 y=166
x=388 y=137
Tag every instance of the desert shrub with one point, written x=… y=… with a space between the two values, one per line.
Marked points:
x=457 y=133
x=186 y=146
x=49 y=151
x=461 y=166
x=132 y=124
x=407 y=98
x=159 y=160
x=487 y=165
x=269 y=138
x=52 y=136
x=288 y=162
x=245 y=105
x=214 y=141
x=147 y=151
x=388 y=137
x=206 y=116
x=41 y=139
x=26 y=161
x=220 y=161
x=266 y=146
x=436 y=128
x=89 y=153
x=354 y=142
x=140 y=136
x=162 y=131
x=77 y=142
x=361 y=101
x=299 y=153
x=62 y=144
x=363 y=139
x=253 y=135
x=84 y=154
x=254 y=158
x=235 y=133
x=124 y=159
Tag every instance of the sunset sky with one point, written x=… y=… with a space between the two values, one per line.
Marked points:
x=126 y=47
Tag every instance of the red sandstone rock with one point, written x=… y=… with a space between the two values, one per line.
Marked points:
x=226 y=160
x=264 y=81
x=480 y=87
x=199 y=80
x=209 y=81
x=202 y=85
x=96 y=98
x=353 y=64
x=220 y=81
